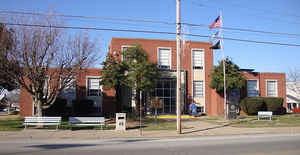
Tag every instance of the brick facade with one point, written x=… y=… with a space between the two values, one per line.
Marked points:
x=262 y=78
x=26 y=102
x=213 y=101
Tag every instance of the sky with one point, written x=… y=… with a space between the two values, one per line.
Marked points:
x=267 y=15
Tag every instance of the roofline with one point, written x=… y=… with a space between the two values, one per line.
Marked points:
x=159 y=40
x=265 y=72
x=272 y=72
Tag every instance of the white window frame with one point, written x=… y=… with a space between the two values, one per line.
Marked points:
x=269 y=80
x=194 y=90
x=257 y=87
x=122 y=47
x=203 y=59
x=170 y=57
x=87 y=85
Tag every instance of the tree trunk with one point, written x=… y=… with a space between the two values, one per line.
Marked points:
x=38 y=104
x=8 y=108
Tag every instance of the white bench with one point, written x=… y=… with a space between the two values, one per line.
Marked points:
x=264 y=114
x=42 y=121
x=87 y=121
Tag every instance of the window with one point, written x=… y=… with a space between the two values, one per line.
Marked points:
x=198 y=59
x=93 y=87
x=125 y=48
x=271 y=88
x=164 y=58
x=252 y=88
x=198 y=89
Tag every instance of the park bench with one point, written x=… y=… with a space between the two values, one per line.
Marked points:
x=87 y=121
x=264 y=114
x=42 y=121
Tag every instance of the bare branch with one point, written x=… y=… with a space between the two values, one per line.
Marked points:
x=46 y=53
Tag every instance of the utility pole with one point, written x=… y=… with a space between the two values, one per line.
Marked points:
x=178 y=89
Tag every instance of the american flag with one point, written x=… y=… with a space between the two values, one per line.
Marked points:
x=216 y=23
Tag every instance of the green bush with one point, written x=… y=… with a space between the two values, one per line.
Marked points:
x=57 y=108
x=274 y=104
x=82 y=107
x=251 y=106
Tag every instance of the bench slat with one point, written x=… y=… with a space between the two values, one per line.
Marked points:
x=87 y=121
x=262 y=114
x=42 y=121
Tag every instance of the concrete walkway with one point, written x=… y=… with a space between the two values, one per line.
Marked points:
x=191 y=128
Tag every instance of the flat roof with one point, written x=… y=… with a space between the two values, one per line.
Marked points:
x=160 y=40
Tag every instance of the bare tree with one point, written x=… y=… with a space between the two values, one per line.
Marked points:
x=47 y=59
x=293 y=75
x=293 y=80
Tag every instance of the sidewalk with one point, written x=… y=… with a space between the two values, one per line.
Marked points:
x=191 y=128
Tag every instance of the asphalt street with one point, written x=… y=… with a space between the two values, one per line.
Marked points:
x=271 y=144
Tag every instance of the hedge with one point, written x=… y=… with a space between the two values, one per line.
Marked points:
x=82 y=107
x=57 y=108
x=274 y=104
x=251 y=106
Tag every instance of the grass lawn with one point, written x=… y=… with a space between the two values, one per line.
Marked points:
x=15 y=123
x=291 y=120
x=160 y=124
x=11 y=123
x=288 y=120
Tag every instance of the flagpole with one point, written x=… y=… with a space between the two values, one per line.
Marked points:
x=224 y=67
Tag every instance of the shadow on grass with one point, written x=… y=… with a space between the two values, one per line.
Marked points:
x=135 y=127
x=75 y=128
x=220 y=126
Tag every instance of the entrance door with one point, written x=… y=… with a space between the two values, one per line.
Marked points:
x=166 y=91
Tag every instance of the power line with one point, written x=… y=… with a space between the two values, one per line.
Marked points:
x=246 y=30
x=148 y=31
x=147 y=21
x=88 y=17
x=239 y=6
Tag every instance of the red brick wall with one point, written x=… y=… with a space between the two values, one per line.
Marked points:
x=151 y=47
x=262 y=77
x=26 y=104
x=108 y=95
x=214 y=102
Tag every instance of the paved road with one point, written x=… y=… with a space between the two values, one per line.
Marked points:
x=277 y=144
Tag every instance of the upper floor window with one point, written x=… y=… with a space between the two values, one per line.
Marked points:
x=93 y=88
x=252 y=88
x=164 y=58
x=198 y=59
x=272 y=88
x=198 y=88
x=124 y=49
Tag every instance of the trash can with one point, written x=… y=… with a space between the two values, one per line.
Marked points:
x=121 y=121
